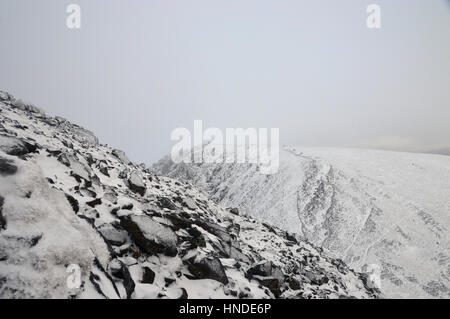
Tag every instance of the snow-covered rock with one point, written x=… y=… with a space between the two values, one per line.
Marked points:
x=384 y=213
x=136 y=184
x=60 y=212
x=41 y=237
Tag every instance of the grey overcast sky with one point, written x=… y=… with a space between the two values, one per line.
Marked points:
x=138 y=69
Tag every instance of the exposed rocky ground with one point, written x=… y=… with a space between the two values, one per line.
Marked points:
x=66 y=199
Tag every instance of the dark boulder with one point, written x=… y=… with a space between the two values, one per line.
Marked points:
x=315 y=279
x=216 y=230
x=263 y=268
x=266 y=269
x=15 y=146
x=148 y=275
x=7 y=167
x=197 y=239
x=293 y=237
x=164 y=202
x=270 y=282
x=184 y=294
x=94 y=202
x=128 y=282
x=113 y=236
x=73 y=202
x=208 y=268
x=169 y=281
x=294 y=283
x=178 y=221
x=104 y=170
x=136 y=184
x=151 y=236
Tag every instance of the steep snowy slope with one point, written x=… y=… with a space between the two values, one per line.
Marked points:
x=67 y=202
x=376 y=210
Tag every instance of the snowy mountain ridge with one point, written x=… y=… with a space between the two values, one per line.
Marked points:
x=373 y=209
x=67 y=200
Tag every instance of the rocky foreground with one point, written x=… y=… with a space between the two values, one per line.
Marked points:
x=67 y=200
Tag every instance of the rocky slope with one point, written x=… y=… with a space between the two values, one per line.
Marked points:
x=67 y=200
x=379 y=211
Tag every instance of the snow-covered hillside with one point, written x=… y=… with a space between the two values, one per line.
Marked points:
x=377 y=210
x=66 y=200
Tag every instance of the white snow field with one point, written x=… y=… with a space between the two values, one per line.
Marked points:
x=382 y=212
